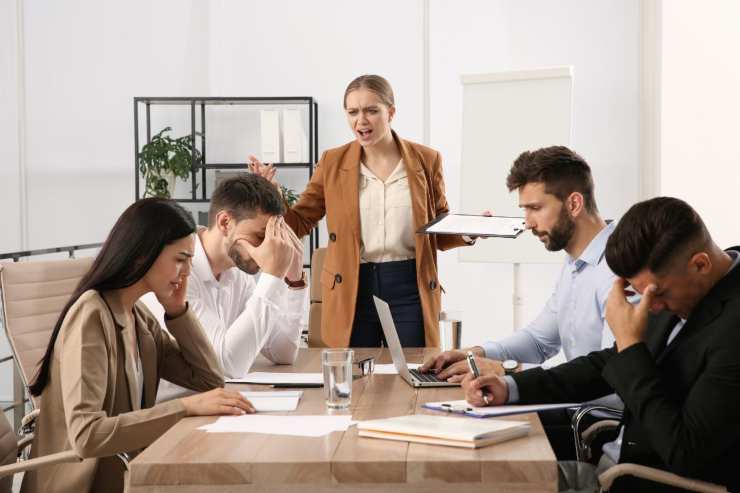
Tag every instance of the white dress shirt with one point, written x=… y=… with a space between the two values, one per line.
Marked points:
x=241 y=317
x=386 y=218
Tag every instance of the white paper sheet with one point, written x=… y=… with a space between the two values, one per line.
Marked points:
x=306 y=426
x=478 y=225
x=272 y=378
x=274 y=401
x=390 y=369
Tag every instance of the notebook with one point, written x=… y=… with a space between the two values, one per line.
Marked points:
x=443 y=430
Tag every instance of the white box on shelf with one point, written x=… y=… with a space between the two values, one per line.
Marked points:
x=295 y=149
x=270 y=136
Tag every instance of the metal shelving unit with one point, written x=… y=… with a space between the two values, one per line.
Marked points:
x=199 y=138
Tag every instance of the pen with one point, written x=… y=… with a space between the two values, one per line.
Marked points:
x=476 y=373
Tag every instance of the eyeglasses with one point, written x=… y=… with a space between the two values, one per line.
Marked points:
x=363 y=367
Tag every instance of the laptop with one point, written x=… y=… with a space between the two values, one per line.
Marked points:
x=413 y=377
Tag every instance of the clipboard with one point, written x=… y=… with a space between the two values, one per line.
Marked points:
x=462 y=407
x=474 y=225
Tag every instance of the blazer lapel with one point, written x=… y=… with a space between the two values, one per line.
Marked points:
x=149 y=366
x=126 y=332
x=417 y=183
x=350 y=185
x=707 y=310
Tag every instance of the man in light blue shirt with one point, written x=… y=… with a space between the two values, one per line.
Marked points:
x=556 y=191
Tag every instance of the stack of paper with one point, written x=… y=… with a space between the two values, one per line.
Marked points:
x=390 y=369
x=283 y=379
x=443 y=430
x=274 y=401
x=307 y=426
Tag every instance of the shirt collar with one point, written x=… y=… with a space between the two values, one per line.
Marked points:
x=398 y=172
x=595 y=250
x=201 y=266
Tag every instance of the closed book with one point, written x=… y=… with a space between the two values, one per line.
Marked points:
x=444 y=430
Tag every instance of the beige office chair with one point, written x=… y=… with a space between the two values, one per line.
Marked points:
x=32 y=295
x=314 y=314
x=607 y=478
x=9 y=449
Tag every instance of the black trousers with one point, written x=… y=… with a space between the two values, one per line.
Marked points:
x=394 y=283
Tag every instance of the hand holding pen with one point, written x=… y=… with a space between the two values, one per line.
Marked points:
x=483 y=390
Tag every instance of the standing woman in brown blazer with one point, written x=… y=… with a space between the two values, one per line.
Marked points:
x=98 y=379
x=375 y=192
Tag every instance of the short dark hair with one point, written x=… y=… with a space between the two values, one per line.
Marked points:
x=132 y=247
x=655 y=234
x=243 y=196
x=560 y=169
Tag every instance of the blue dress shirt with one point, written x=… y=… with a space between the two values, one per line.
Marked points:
x=573 y=318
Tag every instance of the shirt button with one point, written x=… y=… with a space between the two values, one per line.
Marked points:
x=332 y=237
x=338 y=278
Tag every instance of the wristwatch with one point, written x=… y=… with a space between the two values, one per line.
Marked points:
x=299 y=284
x=510 y=366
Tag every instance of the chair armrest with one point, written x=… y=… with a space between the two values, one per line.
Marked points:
x=659 y=476
x=24 y=442
x=29 y=418
x=592 y=431
x=583 y=452
x=35 y=463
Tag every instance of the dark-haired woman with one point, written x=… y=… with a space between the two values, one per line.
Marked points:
x=375 y=192
x=98 y=379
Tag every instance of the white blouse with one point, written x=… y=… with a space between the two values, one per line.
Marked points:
x=386 y=219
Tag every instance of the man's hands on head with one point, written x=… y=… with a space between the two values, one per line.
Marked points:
x=276 y=253
x=628 y=322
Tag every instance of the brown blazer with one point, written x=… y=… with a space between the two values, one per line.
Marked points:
x=334 y=191
x=89 y=404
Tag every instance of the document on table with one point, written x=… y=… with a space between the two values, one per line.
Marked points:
x=390 y=369
x=462 y=407
x=275 y=378
x=274 y=401
x=472 y=225
x=306 y=426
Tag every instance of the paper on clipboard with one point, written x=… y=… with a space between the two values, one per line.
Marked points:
x=474 y=225
x=462 y=407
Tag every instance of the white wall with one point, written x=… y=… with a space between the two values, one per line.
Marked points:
x=700 y=104
x=10 y=221
x=85 y=61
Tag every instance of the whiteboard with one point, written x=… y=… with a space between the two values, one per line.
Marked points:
x=505 y=114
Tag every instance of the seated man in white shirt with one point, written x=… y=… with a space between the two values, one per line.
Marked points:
x=240 y=315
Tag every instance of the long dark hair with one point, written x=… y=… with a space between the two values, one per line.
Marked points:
x=132 y=246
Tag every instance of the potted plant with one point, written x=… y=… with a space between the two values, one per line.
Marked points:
x=164 y=159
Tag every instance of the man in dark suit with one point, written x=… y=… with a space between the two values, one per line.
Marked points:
x=676 y=361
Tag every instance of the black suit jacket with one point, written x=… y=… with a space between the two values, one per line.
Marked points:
x=682 y=402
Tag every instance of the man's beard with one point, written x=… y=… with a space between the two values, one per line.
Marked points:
x=248 y=266
x=561 y=234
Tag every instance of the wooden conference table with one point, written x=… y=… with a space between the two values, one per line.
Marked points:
x=186 y=460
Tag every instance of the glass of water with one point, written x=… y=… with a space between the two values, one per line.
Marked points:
x=337 y=365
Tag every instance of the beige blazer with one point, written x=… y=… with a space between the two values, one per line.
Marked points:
x=89 y=404
x=334 y=191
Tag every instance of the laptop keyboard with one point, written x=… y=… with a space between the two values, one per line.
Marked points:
x=424 y=377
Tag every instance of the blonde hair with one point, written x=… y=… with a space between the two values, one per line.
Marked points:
x=373 y=83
